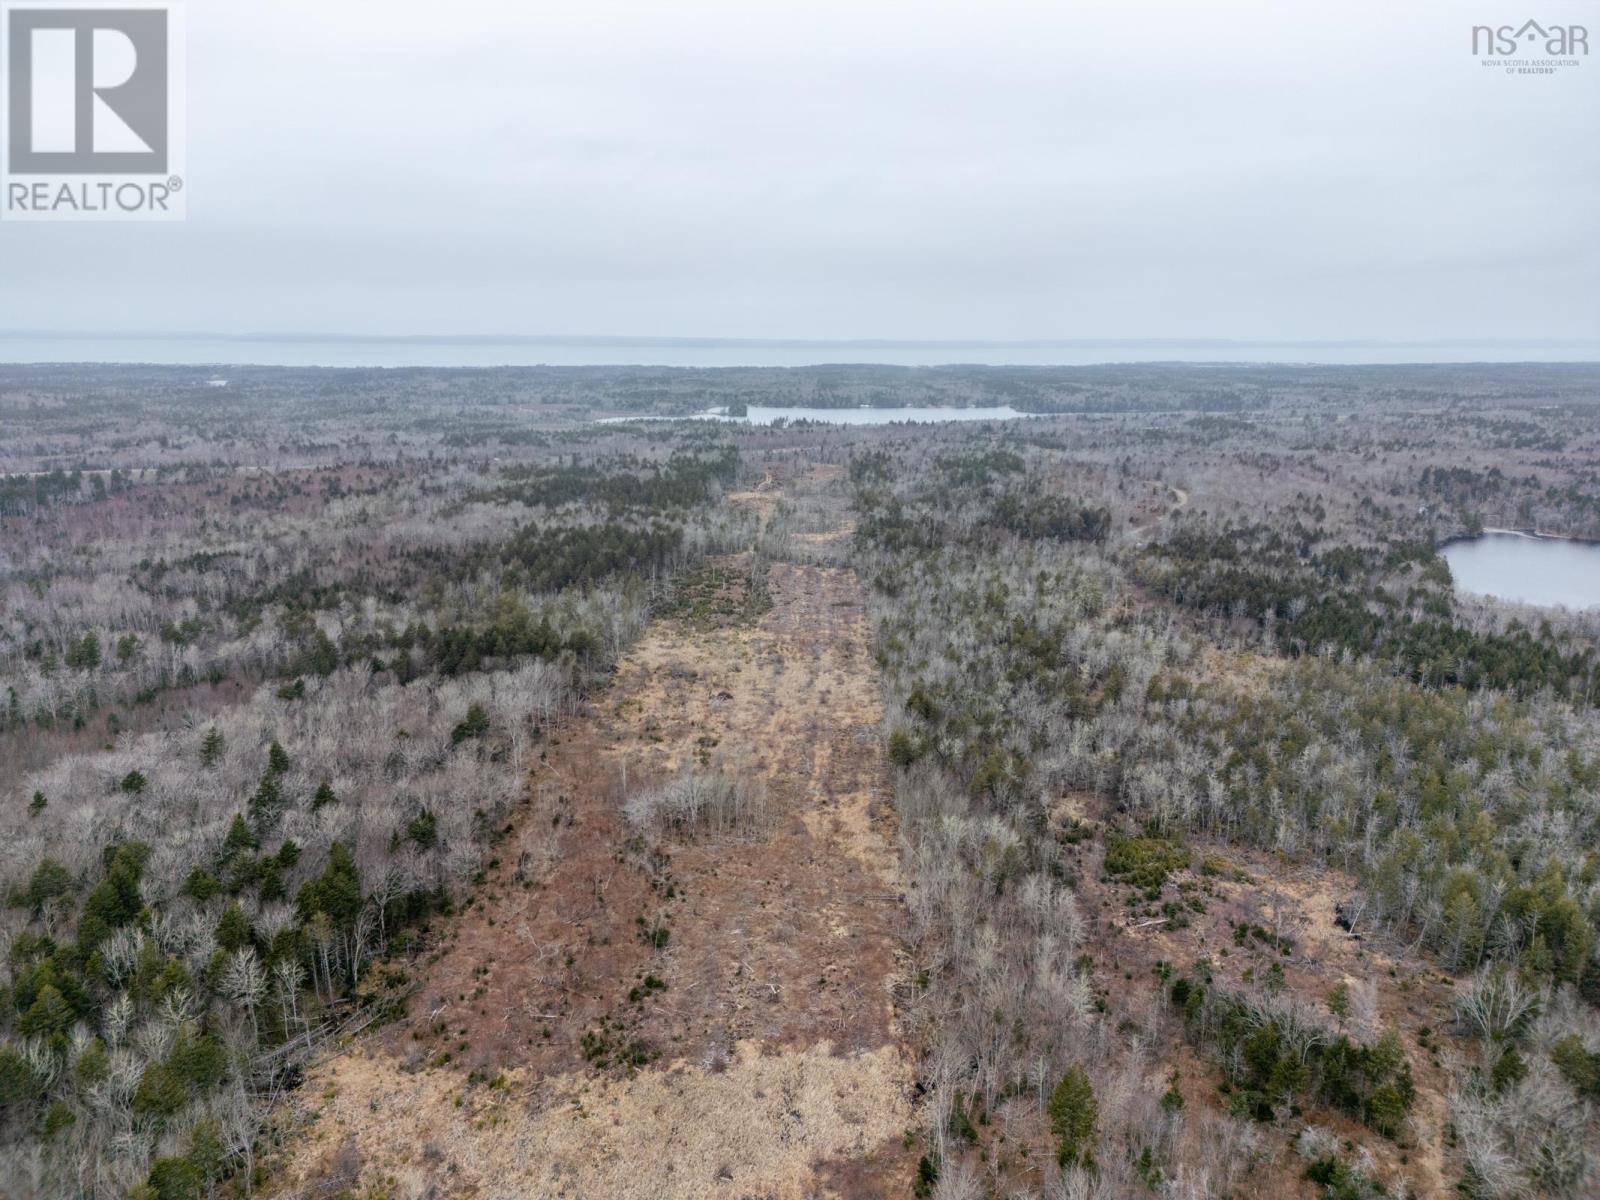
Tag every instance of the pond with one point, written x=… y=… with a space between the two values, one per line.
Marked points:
x=1527 y=569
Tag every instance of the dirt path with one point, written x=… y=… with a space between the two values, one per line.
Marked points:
x=1180 y=501
x=617 y=1017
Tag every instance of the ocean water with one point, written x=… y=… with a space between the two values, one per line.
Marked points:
x=291 y=351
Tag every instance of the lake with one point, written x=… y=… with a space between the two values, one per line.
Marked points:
x=757 y=414
x=1527 y=569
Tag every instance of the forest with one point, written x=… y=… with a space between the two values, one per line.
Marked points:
x=1289 y=671
x=1228 y=847
x=263 y=728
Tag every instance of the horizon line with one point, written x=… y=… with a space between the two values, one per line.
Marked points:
x=646 y=340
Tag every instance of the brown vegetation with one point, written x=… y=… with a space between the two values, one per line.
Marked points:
x=669 y=1012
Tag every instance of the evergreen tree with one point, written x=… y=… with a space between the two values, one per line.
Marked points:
x=474 y=725
x=201 y=885
x=423 y=829
x=1073 y=1114
x=277 y=759
x=233 y=928
x=267 y=805
x=50 y=1016
x=336 y=892
x=240 y=837
x=83 y=654
x=212 y=747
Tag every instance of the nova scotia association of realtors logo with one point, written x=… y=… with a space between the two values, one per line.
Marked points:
x=1531 y=47
x=92 y=111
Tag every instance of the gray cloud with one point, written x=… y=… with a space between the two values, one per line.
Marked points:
x=1256 y=170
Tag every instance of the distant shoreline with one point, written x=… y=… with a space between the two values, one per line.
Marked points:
x=439 y=351
x=1533 y=534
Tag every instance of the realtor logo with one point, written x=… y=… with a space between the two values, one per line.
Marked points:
x=93 y=108
x=88 y=90
x=1530 y=48
x=1530 y=38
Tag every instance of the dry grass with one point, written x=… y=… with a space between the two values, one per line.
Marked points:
x=756 y=1127
x=769 y=1055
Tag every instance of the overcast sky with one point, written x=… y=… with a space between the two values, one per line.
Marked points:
x=1268 y=170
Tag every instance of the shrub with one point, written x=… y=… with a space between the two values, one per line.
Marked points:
x=474 y=725
x=1144 y=862
x=161 y=1092
x=423 y=829
x=903 y=749
x=176 y=1179
x=1509 y=1068
x=698 y=803
x=1273 y=1054
x=21 y=1088
x=1386 y=1109
x=199 y=1060
x=59 y=1116
x=201 y=885
x=1578 y=1064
